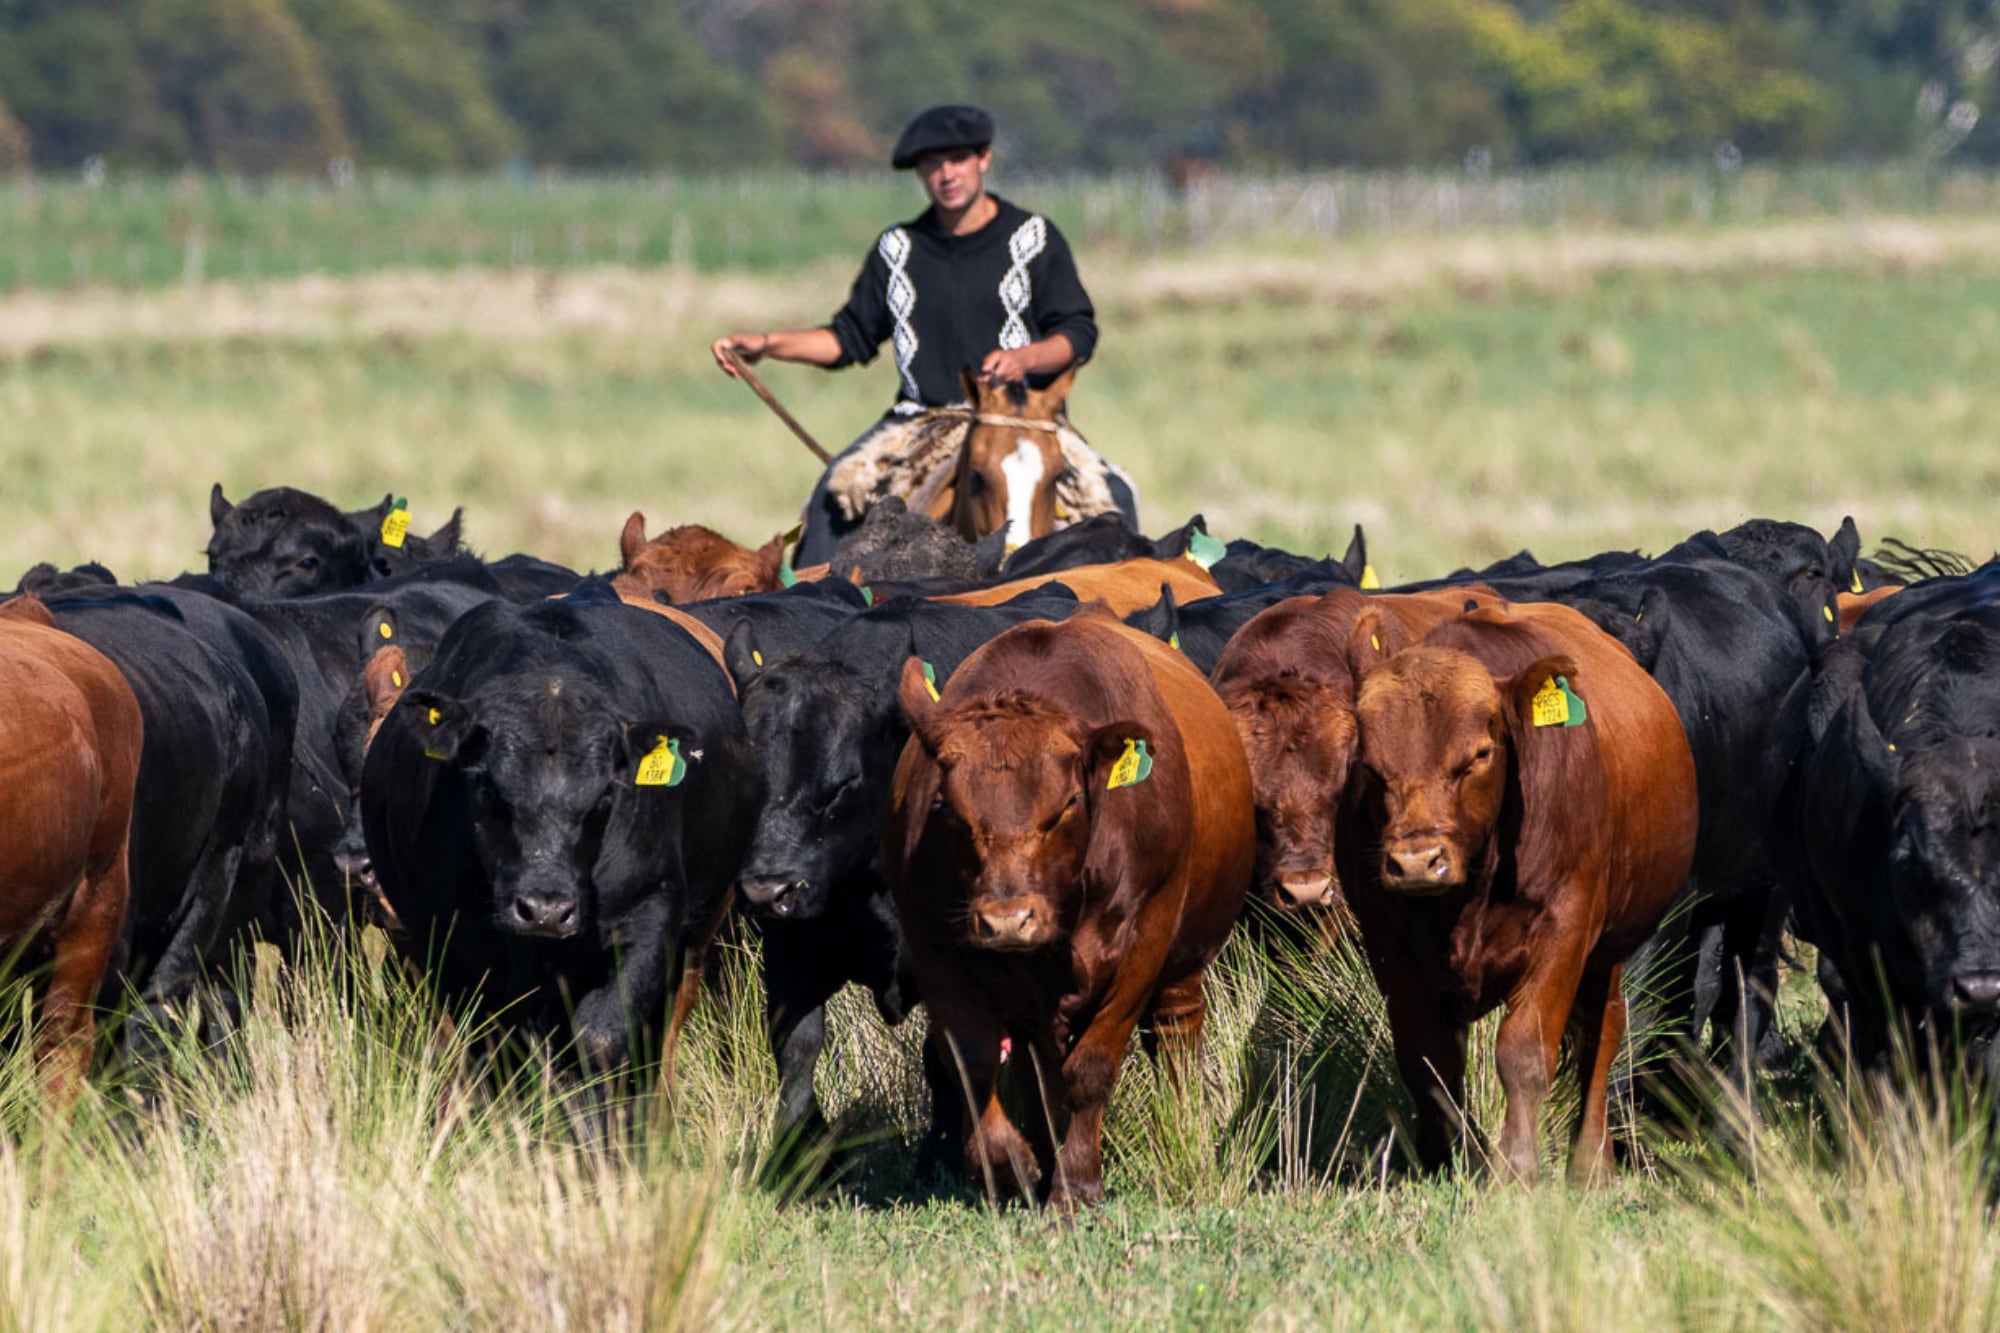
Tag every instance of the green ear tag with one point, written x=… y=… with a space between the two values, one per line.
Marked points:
x=867 y=595
x=663 y=765
x=787 y=576
x=1174 y=641
x=1134 y=766
x=1556 y=705
x=1205 y=550
x=930 y=682
x=1369 y=583
x=396 y=523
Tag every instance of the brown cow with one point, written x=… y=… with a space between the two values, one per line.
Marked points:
x=70 y=734
x=1285 y=680
x=1070 y=838
x=1123 y=585
x=691 y=563
x=1495 y=854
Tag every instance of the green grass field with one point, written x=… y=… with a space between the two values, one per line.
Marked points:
x=1462 y=395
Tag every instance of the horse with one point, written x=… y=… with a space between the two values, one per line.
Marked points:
x=1008 y=469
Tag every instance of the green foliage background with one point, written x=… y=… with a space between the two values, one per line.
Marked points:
x=257 y=86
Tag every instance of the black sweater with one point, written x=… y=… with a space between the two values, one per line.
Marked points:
x=946 y=301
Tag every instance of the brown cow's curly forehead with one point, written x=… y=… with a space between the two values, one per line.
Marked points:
x=1441 y=690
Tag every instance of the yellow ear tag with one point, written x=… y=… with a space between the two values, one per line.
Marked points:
x=1375 y=642
x=1856 y=576
x=1134 y=766
x=396 y=679
x=396 y=523
x=1827 y=611
x=757 y=656
x=435 y=716
x=1174 y=641
x=384 y=630
x=663 y=765
x=930 y=683
x=1556 y=705
x=1369 y=583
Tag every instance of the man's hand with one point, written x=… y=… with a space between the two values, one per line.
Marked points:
x=750 y=346
x=1007 y=365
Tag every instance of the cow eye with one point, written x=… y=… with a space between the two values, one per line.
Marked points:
x=308 y=562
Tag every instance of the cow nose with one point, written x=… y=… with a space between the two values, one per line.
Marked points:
x=1978 y=991
x=548 y=914
x=1422 y=865
x=776 y=894
x=352 y=861
x=1013 y=924
x=1305 y=891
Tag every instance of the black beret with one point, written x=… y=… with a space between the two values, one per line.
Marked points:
x=942 y=127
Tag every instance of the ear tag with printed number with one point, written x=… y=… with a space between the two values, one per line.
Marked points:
x=1556 y=705
x=1205 y=550
x=1369 y=582
x=1134 y=766
x=930 y=683
x=663 y=765
x=396 y=523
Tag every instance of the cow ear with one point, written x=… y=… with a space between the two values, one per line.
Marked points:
x=219 y=507
x=741 y=655
x=1842 y=551
x=383 y=680
x=632 y=540
x=770 y=559
x=27 y=607
x=1519 y=690
x=1119 y=754
x=968 y=381
x=1367 y=645
x=917 y=693
x=1162 y=619
x=1355 y=561
x=445 y=541
x=443 y=724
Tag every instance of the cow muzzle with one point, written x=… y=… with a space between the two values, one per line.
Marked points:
x=1421 y=865
x=1974 y=992
x=543 y=915
x=1012 y=924
x=779 y=895
x=1302 y=890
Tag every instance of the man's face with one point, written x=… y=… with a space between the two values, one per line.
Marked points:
x=954 y=177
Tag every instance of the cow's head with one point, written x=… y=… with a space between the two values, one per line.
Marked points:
x=826 y=737
x=1019 y=785
x=548 y=764
x=1944 y=872
x=284 y=543
x=1438 y=734
x=691 y=563
x=1299 y=735
x=1011 y=461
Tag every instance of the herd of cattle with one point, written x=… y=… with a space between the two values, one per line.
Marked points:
x=1037 y=799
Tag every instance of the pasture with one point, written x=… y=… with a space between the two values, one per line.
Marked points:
x=1460 y=394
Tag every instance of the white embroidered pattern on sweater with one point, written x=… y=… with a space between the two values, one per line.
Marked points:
x=895 y=250
x=1017 y=291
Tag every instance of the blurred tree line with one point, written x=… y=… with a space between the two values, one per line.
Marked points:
x=429 y=85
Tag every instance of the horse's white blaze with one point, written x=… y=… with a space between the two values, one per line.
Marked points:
x=1023 y=470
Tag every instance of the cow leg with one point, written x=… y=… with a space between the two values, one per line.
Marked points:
x=1430 y=1056
x=210 y=889
x=997 y=1157
x=1530 y=1039
x=85 y=936
x=609 y=1019
x=798 y=981
x=1088 y=1075
x=1598 y=1020
x=1172 y=1032
x=693 y=963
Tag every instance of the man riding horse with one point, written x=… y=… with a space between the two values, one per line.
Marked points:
x=972 y=282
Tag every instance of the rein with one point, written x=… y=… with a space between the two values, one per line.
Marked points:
x=991 y=419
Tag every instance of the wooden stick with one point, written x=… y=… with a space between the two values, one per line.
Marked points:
x=749 y=377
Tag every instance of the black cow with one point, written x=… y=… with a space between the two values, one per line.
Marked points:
x=828 y=731
x=284 y=542
x=1895 y=808
x=556 y=808
x=220 y=704
x=1247 y=565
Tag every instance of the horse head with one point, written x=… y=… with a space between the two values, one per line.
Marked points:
x=1010 y=462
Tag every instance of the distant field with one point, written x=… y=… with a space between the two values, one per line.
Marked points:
x=1459 y=396
x=1462 y=391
